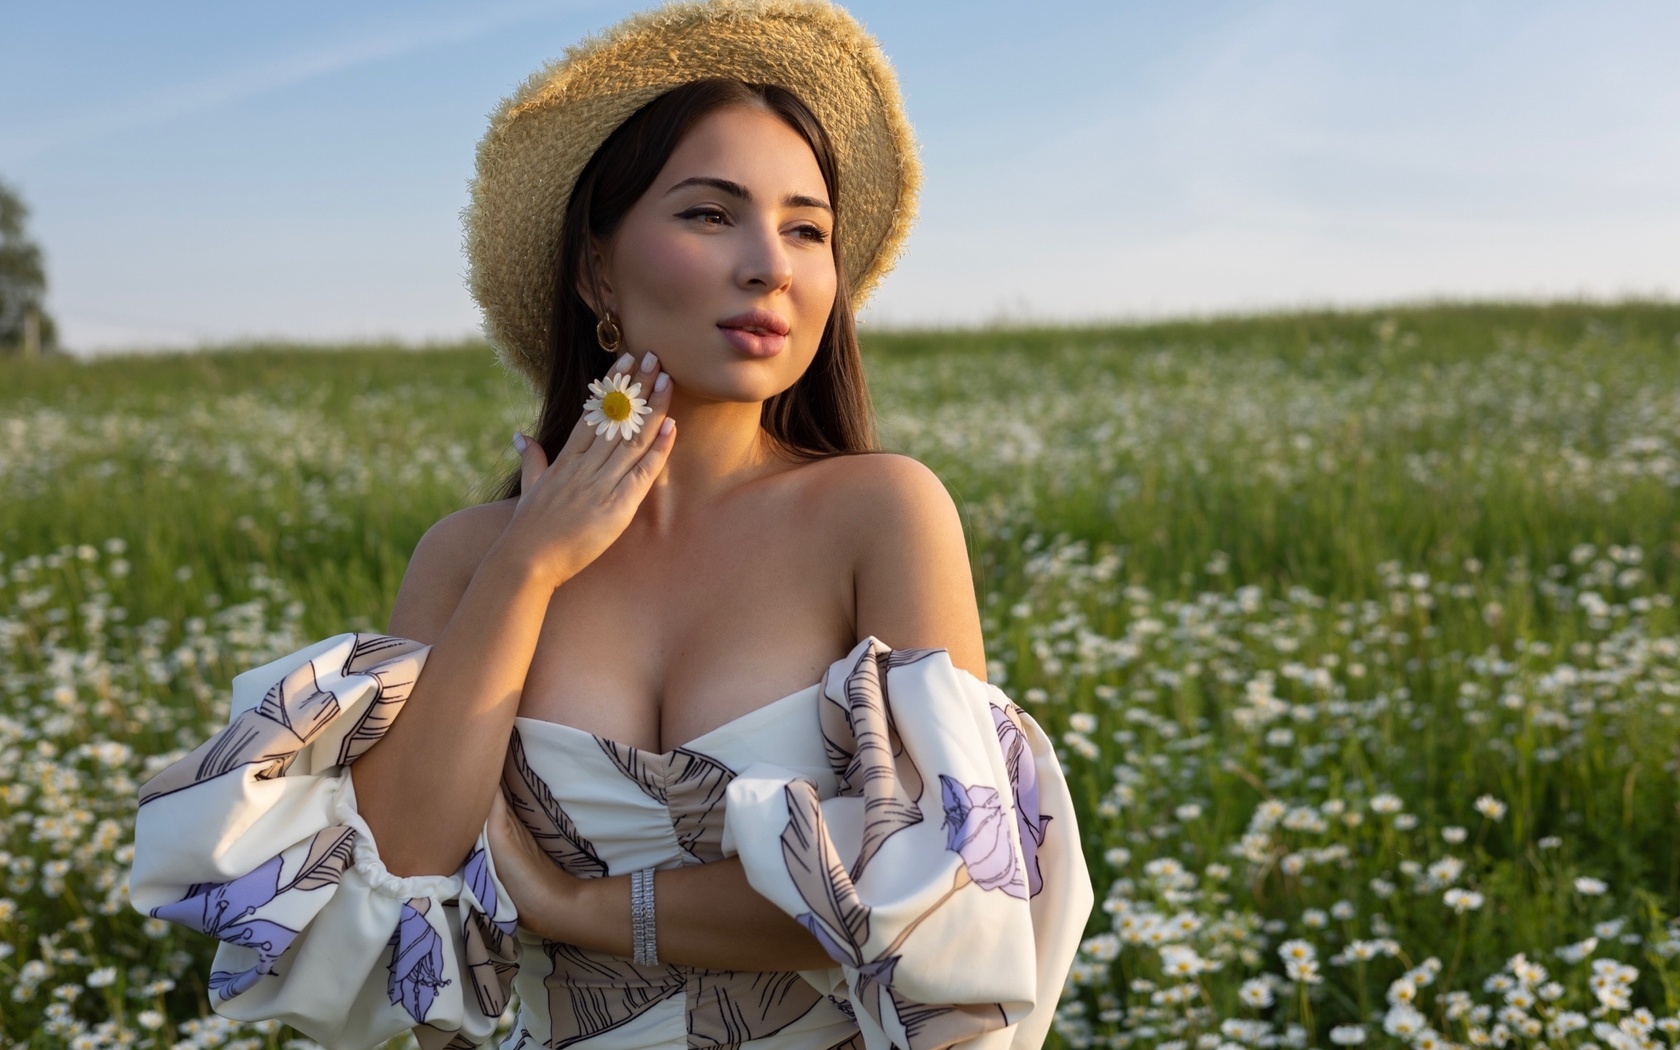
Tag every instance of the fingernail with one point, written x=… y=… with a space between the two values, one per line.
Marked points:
x=519 y=442
x=665 y=427
x=662 y=382
x=624 y=361
x=648 y=361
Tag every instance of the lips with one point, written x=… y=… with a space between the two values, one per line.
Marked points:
x=757 y=333
x=758 y=322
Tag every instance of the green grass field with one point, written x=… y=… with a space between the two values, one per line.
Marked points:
x=1357 y=631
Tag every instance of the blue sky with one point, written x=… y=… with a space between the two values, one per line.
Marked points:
x=203 y=171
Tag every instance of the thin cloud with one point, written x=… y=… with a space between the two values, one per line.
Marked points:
x=225 y=89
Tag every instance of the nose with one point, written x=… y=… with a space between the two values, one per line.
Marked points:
x=765 y=265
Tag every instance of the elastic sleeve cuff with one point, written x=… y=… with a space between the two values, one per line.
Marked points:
x=370 y=866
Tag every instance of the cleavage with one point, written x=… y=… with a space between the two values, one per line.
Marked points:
x=687 y=745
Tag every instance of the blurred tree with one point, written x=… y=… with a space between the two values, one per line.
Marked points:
x=24 y=325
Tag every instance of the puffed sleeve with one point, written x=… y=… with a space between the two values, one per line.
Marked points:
x=946 y=877
x=254 y=838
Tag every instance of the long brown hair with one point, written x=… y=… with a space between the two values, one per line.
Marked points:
x=827 y=411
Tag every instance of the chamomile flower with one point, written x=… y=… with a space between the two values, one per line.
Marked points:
x=1490 y=807
x=615 y=407
x=1461 y=900
x=1255 y=993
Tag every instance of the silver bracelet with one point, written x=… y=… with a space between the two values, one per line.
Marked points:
x=644 y=949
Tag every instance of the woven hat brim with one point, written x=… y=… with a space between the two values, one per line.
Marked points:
x=541 y=137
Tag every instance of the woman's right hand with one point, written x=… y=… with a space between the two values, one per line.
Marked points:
x=571 y=510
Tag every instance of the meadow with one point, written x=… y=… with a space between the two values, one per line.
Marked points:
x=1356 y=630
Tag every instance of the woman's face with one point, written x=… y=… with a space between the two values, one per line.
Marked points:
x=724 y=267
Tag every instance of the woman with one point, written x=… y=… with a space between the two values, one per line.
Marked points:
x=885 y=855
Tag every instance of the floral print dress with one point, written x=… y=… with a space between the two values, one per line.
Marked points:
x=909 y=815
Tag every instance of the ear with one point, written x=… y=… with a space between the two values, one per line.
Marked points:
x=592 y=285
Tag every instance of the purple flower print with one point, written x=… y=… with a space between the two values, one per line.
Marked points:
x=977 y=829
x=873 y=986
x=476 y=873
x=225 y=984
x=879 y=971
x=416 y=960
x=225 y=910
x=1023 y=780
x=218 y=908
x=810 y=921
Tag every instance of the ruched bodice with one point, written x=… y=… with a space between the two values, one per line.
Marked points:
x=600 y=807
x=911 y=817
x=643 y=808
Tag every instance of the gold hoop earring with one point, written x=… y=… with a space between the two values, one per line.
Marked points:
x=608 y=334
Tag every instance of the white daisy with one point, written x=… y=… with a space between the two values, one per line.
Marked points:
x=615 y=407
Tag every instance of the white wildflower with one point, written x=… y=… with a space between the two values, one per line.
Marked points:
x=1386 y=803
x=1404 y=1020
x=615 y=407
x=1490 y=807
x=1256 y=993
x=1181 y=960
x=1445 y=871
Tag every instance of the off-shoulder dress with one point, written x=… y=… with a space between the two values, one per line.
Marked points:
x=909 y=815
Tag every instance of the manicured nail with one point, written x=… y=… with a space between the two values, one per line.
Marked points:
x=519 y=442
x=624 y=361
x=662 y=382
x=648 y=361
x=665 y=427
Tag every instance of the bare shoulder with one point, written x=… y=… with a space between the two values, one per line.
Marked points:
x=912 y=583
x=441 y=567
x=879 y=505
x=884 y=490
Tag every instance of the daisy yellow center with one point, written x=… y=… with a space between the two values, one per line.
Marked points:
x=616 y=406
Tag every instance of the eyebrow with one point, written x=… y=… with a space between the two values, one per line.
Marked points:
x=735 y=189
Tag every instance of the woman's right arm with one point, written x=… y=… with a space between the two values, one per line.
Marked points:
x=425 y=789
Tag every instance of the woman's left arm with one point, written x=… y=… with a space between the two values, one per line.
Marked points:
x=912 y=585
x=706 y=915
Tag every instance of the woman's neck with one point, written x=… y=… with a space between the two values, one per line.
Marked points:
x=720 y=444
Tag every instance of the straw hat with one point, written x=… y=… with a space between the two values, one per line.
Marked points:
x=541 y=138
